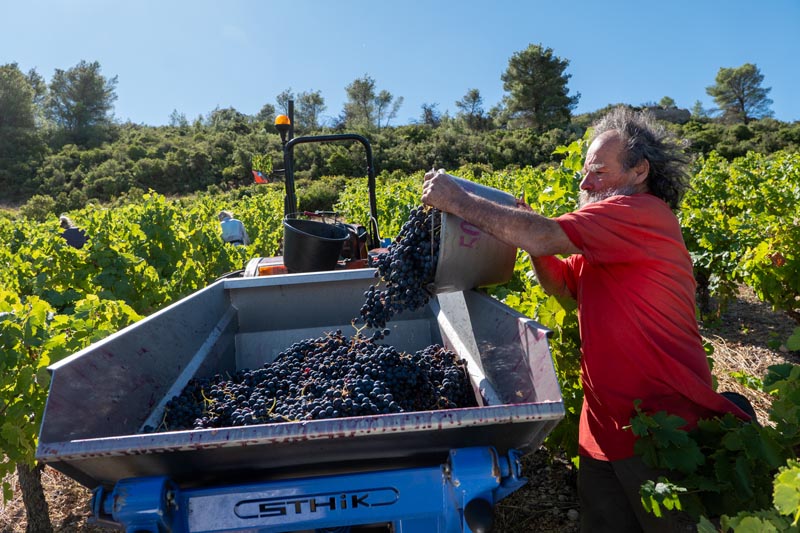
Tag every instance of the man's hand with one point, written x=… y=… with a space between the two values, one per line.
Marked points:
x=439 y=190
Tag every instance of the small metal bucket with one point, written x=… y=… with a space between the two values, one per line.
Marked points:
x=468 y=256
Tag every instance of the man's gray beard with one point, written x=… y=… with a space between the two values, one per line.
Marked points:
x=589 y=197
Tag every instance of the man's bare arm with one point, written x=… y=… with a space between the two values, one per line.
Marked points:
x=520 y=227
x=551 y=276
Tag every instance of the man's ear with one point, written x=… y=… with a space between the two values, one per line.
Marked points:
x=642 y=170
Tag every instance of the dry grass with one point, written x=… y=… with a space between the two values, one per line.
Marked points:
x=68 y=501
x=748 y=338
x=745 y=339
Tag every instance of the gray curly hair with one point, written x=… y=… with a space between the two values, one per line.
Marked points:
x=66 y=222
x=645 y=138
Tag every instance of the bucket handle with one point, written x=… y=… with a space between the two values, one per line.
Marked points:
x=318 y=214
x=376 y=230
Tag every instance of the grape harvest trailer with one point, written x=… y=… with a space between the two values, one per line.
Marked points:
x=432 y=471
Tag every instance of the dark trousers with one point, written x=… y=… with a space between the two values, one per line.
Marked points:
x=610 y=501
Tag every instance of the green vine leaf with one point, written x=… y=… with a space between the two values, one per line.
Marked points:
x=787 y=491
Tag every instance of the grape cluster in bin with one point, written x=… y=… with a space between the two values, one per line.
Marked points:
x=332 y=376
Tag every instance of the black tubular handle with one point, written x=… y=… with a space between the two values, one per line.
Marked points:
x=290 y=204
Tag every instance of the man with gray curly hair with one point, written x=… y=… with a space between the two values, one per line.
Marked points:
x=75 y=236
x=643 y=139
x=621 y=256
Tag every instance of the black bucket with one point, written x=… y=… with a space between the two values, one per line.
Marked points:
x=311 y=245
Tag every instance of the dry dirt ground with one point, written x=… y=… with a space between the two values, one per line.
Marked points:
x=746 y=338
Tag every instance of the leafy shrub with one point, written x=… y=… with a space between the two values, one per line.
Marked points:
x=321 y=194
x=39 y=207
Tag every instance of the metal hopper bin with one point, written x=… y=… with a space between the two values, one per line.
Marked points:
x=236 y=479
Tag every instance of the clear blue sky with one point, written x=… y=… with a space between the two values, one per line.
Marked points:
x=195 y=55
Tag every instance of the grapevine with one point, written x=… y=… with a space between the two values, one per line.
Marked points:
x=730 y=469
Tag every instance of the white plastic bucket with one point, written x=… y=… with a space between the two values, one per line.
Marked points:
x=468 y=256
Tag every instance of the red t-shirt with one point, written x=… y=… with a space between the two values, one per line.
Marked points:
x=636 y=311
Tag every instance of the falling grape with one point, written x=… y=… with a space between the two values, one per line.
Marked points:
x=407 y=268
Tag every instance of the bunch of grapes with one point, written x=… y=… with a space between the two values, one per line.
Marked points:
x=331 y=376
x=406 y=268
